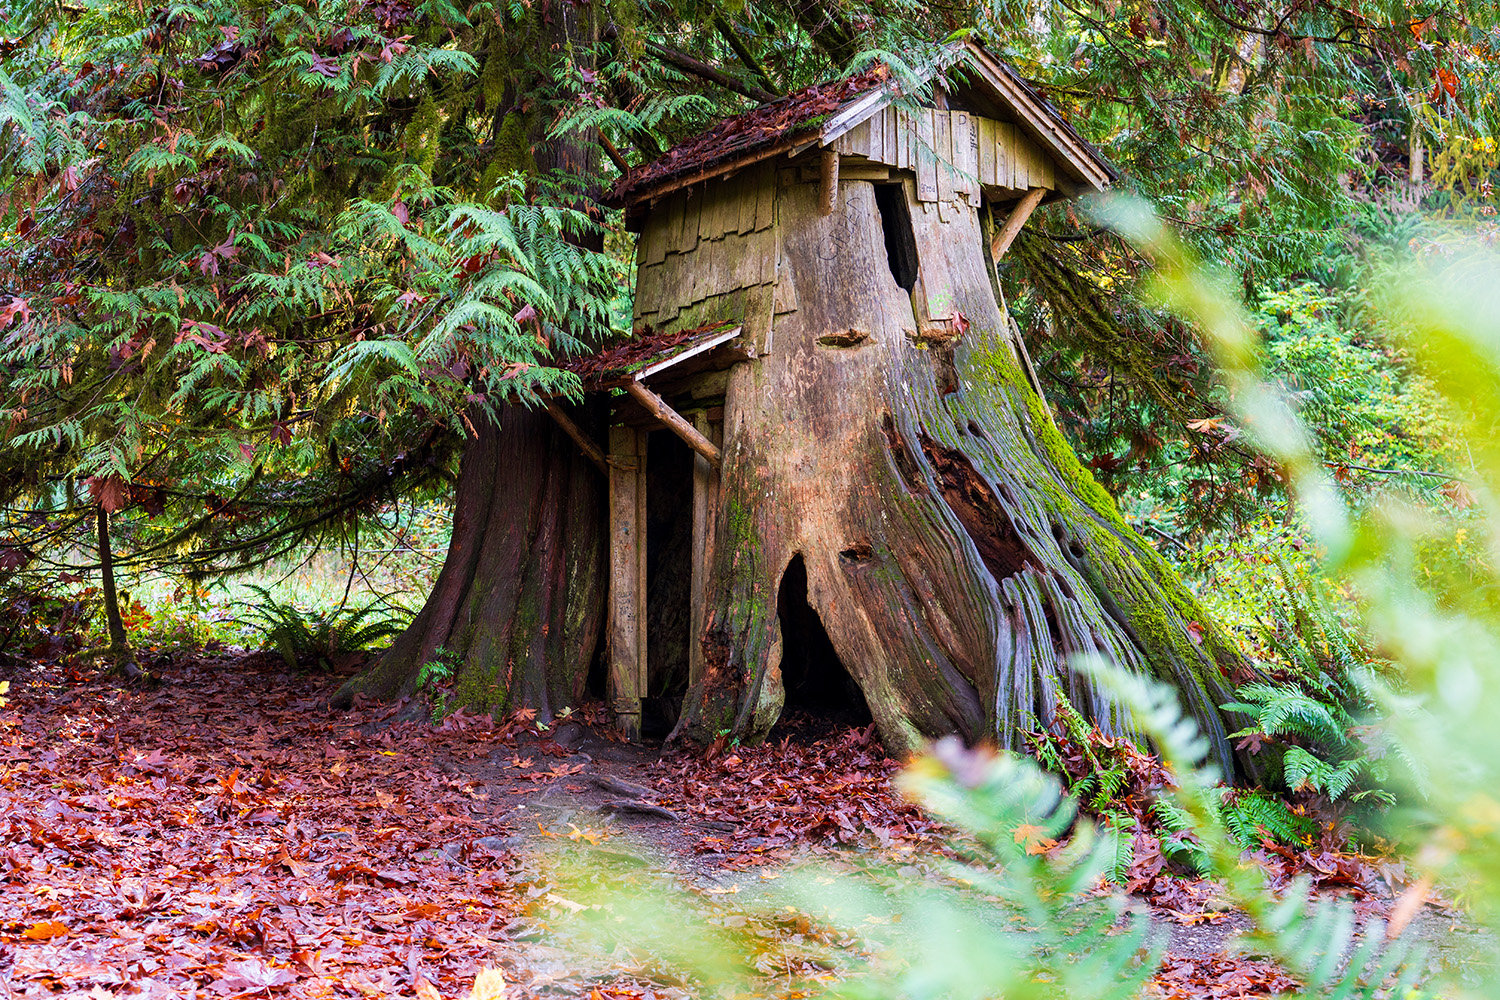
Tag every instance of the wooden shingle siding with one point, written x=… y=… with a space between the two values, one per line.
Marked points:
x=706 y=252
x=954 y=153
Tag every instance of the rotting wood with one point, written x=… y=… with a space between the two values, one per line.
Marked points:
x=828 y=171
x=1015 y=220
x=584 y=442
x=674 y=421
x=627 y=536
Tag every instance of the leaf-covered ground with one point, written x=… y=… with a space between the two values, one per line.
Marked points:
x=224 y=834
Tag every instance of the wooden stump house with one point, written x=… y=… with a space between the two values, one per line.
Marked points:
x=843 y=225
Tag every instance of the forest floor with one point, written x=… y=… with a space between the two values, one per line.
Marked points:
x=223 y=834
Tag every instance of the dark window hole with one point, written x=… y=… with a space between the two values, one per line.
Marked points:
x=974 y=429
x=900 y=239
x=815 y=679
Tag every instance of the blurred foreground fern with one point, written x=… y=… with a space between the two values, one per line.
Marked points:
x=1021 y=916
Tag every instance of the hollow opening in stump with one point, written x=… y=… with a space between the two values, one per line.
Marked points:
x=669 y=554
x=900 y=238
x=815 y=679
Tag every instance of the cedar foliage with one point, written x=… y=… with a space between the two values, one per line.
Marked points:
x=262 y=263
x=245 y=246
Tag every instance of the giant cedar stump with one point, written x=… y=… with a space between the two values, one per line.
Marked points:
x=881 y=434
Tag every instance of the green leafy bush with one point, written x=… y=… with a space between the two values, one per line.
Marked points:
x=319 y=638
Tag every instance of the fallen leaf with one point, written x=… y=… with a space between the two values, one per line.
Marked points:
x=488 y=985
x=46 y=930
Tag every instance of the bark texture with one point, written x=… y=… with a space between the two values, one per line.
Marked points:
x=517 y=610
x=957 y=554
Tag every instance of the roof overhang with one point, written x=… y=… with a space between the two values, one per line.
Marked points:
x=1084 y=167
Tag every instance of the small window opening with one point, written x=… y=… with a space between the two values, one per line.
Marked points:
x=815 y=680
x=900 y=239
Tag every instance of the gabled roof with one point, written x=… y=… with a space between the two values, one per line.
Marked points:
x=819 y=114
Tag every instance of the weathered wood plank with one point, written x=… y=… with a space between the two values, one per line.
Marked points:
x=934 y=280
x=647 y=288
x=1044 y=171
x=692 y=207
x=926 y=158
x=966 y=156
x=986 y=140
x=670 y=299
x=1005 y=150
x=627 y=592
x=750 y=185
x=1020 y=174
x=653 y=239
x=756 y=304
x=671 y=213
x=765 y=199
x=784 y=299
x=942 y=144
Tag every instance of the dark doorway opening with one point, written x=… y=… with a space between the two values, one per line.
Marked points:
x=900 y=238
x=816 y=681
x=669 y=577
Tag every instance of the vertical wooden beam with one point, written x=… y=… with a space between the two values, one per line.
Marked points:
x=828 y=189
x=627 y=591
x=705 y=503
x=1013 y=222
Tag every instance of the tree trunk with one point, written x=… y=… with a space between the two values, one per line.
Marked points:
x=517 y=610
x=957 y=554
x=119 y=643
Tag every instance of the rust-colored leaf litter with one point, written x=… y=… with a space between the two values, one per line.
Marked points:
x=225 y=834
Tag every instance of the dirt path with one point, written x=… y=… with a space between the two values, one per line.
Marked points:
x=225 y=835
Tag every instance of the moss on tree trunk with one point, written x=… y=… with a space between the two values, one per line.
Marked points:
x=957 y=554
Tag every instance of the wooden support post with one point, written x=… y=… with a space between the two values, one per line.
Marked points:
x=828 y=190
x=705 y=502
x=676 y=422
x=584 y=442
x=1013 y=222
x=627 y=572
